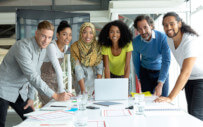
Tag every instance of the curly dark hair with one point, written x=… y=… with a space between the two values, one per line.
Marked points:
x=125 y=34
x=144 y=17
x=185 y=28
x=63 y=24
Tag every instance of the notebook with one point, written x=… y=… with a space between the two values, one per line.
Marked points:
x=111 y=89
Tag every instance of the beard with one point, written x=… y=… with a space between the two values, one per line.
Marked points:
x=174 y=34
x=146 y=36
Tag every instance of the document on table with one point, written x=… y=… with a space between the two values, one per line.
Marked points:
x=60 y=103
x=160 y=109
x=36 y=112
x=116 y=112
x=46 y=124
x=56 y=115
x=54 y=106
x=97 y=124
x=164 y=106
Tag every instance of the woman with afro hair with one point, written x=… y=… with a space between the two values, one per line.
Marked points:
x=116 y=41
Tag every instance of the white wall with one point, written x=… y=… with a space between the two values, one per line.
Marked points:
x=197 y=22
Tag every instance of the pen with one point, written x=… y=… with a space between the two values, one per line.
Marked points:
x=67 y=91
x=57 y=106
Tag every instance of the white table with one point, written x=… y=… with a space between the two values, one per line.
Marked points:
x=150 y=119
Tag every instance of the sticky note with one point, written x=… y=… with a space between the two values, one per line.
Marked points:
x=72 y=110
x=147 y=94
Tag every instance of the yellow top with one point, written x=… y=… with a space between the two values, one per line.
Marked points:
x=117 y=63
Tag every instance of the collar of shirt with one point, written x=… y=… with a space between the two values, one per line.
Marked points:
x=36 y=46
x=153 y=37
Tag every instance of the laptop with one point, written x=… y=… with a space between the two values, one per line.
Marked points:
x=111 y=89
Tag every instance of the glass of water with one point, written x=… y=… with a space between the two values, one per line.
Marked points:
x=131 y=101
x=139 y=104
x=81 y=118
x=82 y=101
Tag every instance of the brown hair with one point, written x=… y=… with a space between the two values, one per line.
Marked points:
x=149 y=20
x=45 y=25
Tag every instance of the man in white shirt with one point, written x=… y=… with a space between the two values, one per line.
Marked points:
x=186 y=47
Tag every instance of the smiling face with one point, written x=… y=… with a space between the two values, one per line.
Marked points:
x=114 y=34
x=43 y=37
x=171 y=26
x=65 y=36
x=144 y=29
x=87 y=35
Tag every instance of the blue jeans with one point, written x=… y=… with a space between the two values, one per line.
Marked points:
x=149 y=80
x=194 y=95
x=18 y=106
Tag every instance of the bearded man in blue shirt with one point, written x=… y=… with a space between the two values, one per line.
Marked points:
x=151 y=57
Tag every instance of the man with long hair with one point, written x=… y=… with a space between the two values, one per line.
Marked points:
x=186 y=47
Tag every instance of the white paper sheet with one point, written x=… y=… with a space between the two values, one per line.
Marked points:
x=116 y=112
x=57 y=115
x=56 y=106
x=45 y=124
x=97 y=124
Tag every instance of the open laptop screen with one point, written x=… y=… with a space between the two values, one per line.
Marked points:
x=111 y=89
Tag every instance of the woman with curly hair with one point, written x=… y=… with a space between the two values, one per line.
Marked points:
x=116 y=41
x=86 y=60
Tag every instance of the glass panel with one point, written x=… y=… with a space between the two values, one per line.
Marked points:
x=25 y=2
x=27 y=21
x=77 y=2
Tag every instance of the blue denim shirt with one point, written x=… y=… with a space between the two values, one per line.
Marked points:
x=20 y=71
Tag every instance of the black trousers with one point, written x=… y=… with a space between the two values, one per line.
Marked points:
x=194 y=97
x=149 y=80
x=18 y=106
x=116 y=76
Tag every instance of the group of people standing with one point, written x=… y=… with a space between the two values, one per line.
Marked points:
x=34 y=63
